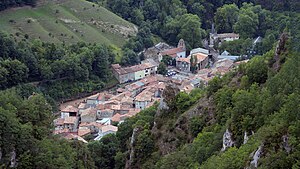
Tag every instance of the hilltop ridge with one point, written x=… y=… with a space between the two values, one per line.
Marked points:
x=67 y=21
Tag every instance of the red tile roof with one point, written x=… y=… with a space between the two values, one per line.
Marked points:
x=116 y=117
x=172 y=52
x=109 y=128
x=100 y=107
x=200 y=57
x=120 y=107
x=59 y=122
x=83 y=131
x=88 y=124
x=65 y=130
x=125 y=70
x=144 y=96
x=89 y=111
x=104 y=96
x=187 y=60
x=70 y=120
x=69 y=108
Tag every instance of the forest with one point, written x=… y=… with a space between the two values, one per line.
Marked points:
x=4 y=4
x=192 y=20
x=257 y=104
x=59 y=71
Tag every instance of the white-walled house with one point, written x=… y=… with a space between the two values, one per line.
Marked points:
x=106 y=129
x=143 y=99
x=179 y=52
x=132 y=73
x=68 y=111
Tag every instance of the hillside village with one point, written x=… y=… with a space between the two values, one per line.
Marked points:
x=98 y=114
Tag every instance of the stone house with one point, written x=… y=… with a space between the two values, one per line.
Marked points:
x=201 y=60
x=105 y=113
x=106 y=129
x=143 y=99
x=69 y=111
x=183 y=64
x=69 y=123
x=121 y=109
x=154 y=51
x=88 y=115
x=132 y=73
x=219 y=38
x=179 y=52
x=92 y=100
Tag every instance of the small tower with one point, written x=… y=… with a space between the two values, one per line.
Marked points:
x=181 y=44
x=212 y=35
x=213 y=30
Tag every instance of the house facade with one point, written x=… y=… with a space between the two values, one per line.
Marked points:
x=201 y=60
x=140 y=74
x=69 y=111
x=88 y=115
x=214 y=37
x=143 y=99
x=179 y=52
x=107 y=129
x=92 y=100
x=226 y=55
x=69 y=124
x=132 y=73
x=105 y=113
x=183 y=64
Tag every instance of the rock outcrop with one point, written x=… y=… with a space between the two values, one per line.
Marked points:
x=132 y=150
x=285 y=144
x=280 y=49
x=227 y=140
x=13 y=160
x=256 y=157
x=168 y=97
x=246 y=138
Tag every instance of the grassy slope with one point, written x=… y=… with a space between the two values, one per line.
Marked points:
x=67 y=21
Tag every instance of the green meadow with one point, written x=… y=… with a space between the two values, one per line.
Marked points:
x=67 y=21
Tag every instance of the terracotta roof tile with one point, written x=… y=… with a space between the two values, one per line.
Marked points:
x=200 y=57
x=187 y=60
x=100 y=107
x=95 y=124
x=70 y=120
x=144 y=96
x=109 y=128
x=172 y=52
x=69 y=108
x=89 y=111
x=116 y=117
x=65 y=130
x=83 y=131
x=132 y=69
x=81 y=105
